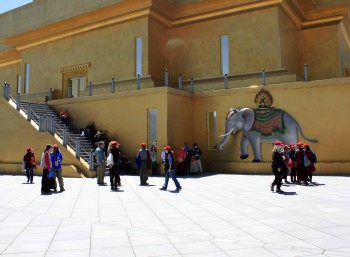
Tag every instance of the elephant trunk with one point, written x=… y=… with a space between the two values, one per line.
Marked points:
x=224 y=140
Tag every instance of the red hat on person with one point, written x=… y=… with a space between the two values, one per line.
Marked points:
x=30 y=149
x=286 y=147
x=291 y=144
x=55 y=146
x=300 y=144
x=143 y=144
x=277 y=143
x=168 y=148
x=115 y=143
x=305 y=145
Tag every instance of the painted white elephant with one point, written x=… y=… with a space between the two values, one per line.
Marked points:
x=285 y=129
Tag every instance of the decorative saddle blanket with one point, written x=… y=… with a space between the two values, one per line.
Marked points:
x=268 y=122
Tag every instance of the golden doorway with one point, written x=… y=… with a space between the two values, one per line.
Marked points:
x=70 y=74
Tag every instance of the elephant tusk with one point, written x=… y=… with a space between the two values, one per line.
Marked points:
x=227 y=133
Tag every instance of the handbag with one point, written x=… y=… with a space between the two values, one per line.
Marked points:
x=50 y=174
x=290 y=163
x=110 y=159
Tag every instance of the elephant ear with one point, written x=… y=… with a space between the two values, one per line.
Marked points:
x=248 y=116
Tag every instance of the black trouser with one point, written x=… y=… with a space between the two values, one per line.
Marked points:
x=154 y=168
x=278 y=178
x=293 y=174
x=114 y=175
x=46 y=184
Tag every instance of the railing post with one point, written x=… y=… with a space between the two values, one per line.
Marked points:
x=41 y=123
x=263 y=73
x=192 y=86
x=90 y=88
x=50 y=94
x=113 y=85
x=8 y=91
x=29 y=112
x=166 y=78
x=53 y=124
x=5 y=90
x=306 y=72
x=138 y=81
x=91 y=159
x=69 y=92
x=180 y=81
x=226 y=81
x=18 y=102
x=64 y=136
x=77 y=148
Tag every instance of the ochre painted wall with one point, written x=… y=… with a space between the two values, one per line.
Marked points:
x=254 y=44
x=16 y=134
x=319 y=48
x=111 y=52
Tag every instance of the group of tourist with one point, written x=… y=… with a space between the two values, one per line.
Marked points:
x=299 y=158
x=52 y=169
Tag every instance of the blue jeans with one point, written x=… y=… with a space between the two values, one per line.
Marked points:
x=171 y=174
x=29 y=173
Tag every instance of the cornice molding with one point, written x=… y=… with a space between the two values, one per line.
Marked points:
x=136 y=9
x=76 y=67
x=10 y=58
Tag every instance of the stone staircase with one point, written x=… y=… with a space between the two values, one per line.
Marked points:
x=43 y=110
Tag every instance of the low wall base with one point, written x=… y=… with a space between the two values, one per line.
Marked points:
x=16 y=169
x=322 y=168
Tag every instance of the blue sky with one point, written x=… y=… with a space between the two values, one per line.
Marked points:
x=6 y=5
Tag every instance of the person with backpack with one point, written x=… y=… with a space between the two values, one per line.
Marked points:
x=29 y=164
x=170 y=170
x=145 y=157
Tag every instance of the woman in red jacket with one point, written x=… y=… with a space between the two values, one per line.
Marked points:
x=29 y=164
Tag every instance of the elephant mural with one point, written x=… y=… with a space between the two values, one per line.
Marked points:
x=268 y=128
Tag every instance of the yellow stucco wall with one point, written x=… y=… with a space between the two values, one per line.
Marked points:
x=16 y=134
x=319 y=48
x=111 y=52
x=254 y=44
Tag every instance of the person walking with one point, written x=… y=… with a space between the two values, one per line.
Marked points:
x=277 y=167
x=101 y=163
x=46 y=183
x=170 y=170
x=29 y=164
x=145 y=157
x=56 y=160
x=309 y=163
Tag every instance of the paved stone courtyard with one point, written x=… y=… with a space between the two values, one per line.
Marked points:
x=214 y=215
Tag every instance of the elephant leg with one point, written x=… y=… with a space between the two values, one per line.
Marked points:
x=244 y=147
x=256 y=146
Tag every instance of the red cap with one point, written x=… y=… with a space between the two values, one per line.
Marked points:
x=143 y=144
x=278 y=143
x=291 y=144
x=286 y=147
x=55 y=146
x=30 y=149
x=306 y=145
x=300 y=144
x=115 y=143
x=168 y=148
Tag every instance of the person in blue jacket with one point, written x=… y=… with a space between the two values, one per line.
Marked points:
x=56 y=160
x=170 y=170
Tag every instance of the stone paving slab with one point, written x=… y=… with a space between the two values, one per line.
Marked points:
x=213 y=216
